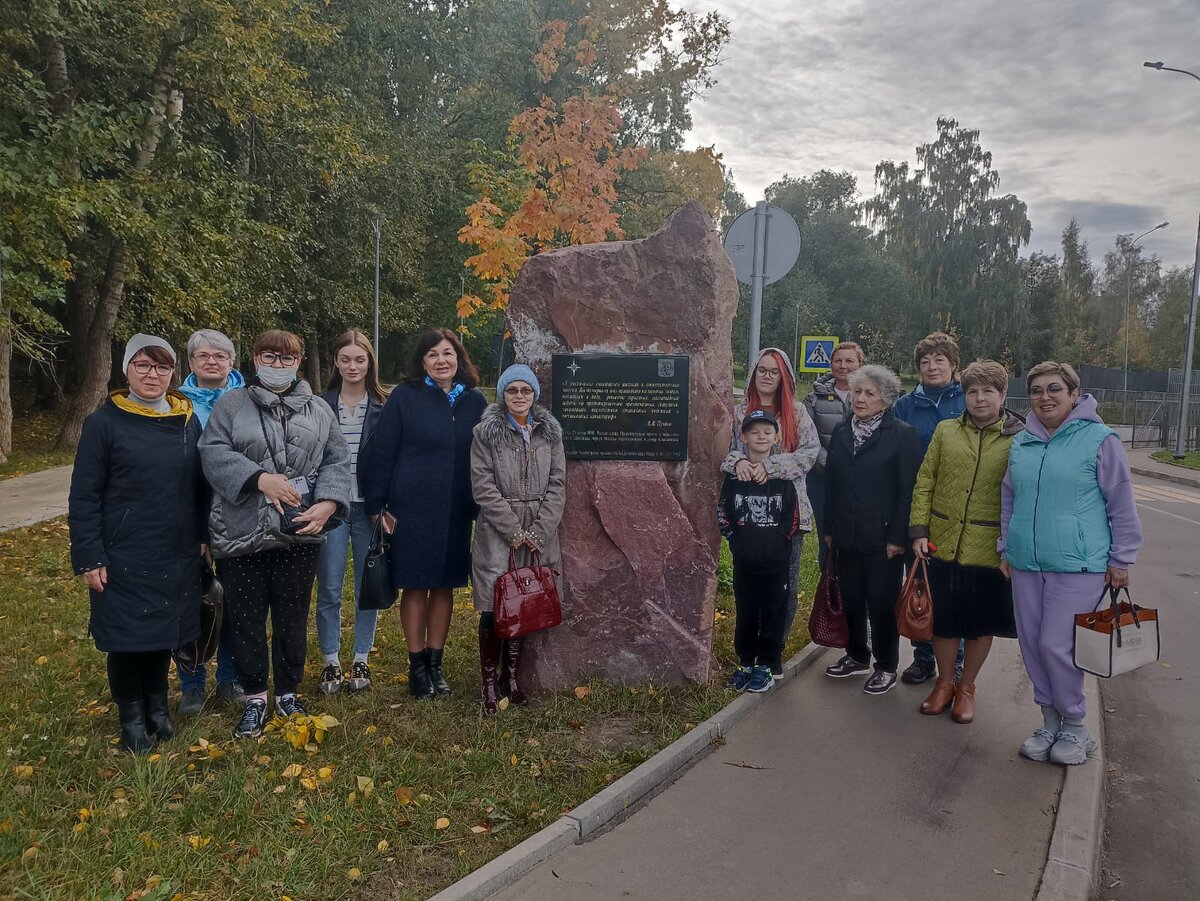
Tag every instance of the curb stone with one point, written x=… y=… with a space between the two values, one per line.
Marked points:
x=1166 y=476
x=1072 y=871
x=617 y=799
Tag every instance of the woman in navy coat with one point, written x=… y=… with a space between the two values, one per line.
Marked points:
x=419 y=479
x=137 y=512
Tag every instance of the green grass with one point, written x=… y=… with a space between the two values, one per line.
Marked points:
x=209 y=818
x=33 y=446
x=1191 y=461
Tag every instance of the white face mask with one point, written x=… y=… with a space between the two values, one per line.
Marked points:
x=277 y=376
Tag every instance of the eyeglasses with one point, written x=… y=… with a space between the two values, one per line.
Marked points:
x=768 y=373
x=1052 y=389
x=204 y=357
x=282 y=359
x=518 y=392
x=143 y=368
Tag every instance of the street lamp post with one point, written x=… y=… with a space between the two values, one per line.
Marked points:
x=1185 y=398
x=1129 y=289
x=377 y=221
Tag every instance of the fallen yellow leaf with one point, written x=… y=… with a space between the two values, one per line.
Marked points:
x=309 y=783
x=404 y=794
x=503 y=705
x=354 y=873
x=382 y=846
x=582 y=691
x=325 y=772
x=154 y=758
x=279 y=789
x=513 y=760
x=42 y=661
x=366 y=785
x=442 y=823
x=30 y=853
x=292 y=771
x=370 y=730
x=479 y=829
x=23 y=771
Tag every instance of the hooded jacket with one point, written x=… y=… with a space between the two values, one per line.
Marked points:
x=517 y=488
x=956 y=501
x=924 y=410
x=203 y=398
x=794 y=466
x=253 y=430
x=137 y=506
x=1067 y=499
x=826 y=409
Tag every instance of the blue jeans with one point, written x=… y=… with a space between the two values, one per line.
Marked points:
x=331 y=576
x=923 y=652
x=815 y=483
x=225 y=674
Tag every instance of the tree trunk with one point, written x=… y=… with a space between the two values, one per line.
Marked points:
x=6 y=407
x=95 y=368
x=313 y=365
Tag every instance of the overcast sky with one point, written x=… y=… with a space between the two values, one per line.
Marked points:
x=1076 y=126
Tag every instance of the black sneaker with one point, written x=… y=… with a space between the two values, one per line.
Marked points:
x=847 y=666
x=286 y=705
x=331 y=679
x=254 y=717
x=360 y=676
x=880 y=683
x=920 y=671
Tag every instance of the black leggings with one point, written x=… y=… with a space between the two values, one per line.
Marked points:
x=277 y=582
x=133 y=675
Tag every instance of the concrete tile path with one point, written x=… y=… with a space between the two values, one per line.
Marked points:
x=25 y=500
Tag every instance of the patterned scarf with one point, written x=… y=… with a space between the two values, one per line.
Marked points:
x=864 y=428
x=453 y=394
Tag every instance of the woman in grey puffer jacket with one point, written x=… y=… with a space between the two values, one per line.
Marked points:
x=828 y=404
x=280 y=469
x=519 y=479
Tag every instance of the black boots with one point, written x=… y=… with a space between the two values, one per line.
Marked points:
x=434 y=657
x=489 y=665
x=133 y=727
x=511 y=660
x=158 y=718
x=419 y=684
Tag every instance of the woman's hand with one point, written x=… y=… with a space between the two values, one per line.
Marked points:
x=206 y=554
x=758 y=472
x=315 y=516
x=829 y=541
x=1006 y=570
x=389 y=522
x=278 y=490
x=894 y=550
x=921 y=548
x=743 y=471
x=96 y=579
x=1116 y=578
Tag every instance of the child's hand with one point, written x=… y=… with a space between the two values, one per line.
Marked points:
x=758 y=472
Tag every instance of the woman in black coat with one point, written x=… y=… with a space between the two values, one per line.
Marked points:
x=870 y=472
x=136 y=512
x=419 y=479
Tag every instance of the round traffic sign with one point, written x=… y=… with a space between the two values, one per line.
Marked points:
x=781 y=248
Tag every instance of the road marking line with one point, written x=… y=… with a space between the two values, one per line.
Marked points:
x=1168 y=493
x=1172 y=515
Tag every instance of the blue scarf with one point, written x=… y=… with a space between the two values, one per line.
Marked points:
x=453 y=394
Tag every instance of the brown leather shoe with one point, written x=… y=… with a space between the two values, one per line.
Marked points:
x=939 y=699
x=964 y=704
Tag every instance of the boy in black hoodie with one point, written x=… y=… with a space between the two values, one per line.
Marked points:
x=759 y=521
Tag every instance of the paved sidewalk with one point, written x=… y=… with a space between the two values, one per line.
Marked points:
x=1143 y=464
x=824 y=792
x=25 y=500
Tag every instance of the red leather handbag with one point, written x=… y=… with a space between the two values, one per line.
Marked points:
x=525 y=598
x=827 y=624
x=914 y=608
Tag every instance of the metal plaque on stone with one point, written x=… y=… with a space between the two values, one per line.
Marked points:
x=616 y=406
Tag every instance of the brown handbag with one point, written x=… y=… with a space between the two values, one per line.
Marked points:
x=525 y=598
x=914 y=608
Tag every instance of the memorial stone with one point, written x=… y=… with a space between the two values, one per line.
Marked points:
x=639 y=537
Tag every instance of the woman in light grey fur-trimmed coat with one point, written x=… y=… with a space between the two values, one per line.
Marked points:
x=519 y=479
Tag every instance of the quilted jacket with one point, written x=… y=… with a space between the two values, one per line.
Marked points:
x=956 y=502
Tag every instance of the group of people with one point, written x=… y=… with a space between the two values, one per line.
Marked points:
x=273 y=487
x=1020 y=523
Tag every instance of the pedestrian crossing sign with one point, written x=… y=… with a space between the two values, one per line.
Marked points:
x=817 y=352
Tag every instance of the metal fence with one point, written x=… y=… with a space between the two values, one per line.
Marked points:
x=1156 y=424
x=1116 y=407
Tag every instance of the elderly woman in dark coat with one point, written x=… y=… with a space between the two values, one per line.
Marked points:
x=136 y=514
x=419 y=480
x=519 y=478
x=871 y=469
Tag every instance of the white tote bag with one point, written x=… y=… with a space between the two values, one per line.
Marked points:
x=1120 y=638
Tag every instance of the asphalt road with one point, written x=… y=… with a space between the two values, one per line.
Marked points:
x=1152 y=716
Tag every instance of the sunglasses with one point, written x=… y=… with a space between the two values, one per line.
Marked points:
x=1053 y=389
x=518 y=392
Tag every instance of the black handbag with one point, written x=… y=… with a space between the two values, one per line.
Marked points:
x=287 y=516
x=375 y=591
x=196 y=653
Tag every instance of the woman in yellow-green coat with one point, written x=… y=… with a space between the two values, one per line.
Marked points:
x=954 y=524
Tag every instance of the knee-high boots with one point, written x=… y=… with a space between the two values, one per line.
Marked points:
x=489 y=666
x=510 y=661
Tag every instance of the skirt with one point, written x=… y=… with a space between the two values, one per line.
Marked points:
x=970 y=601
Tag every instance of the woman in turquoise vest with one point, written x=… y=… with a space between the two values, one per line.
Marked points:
x=1068 y=528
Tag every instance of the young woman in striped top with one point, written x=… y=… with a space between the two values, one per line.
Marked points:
x=357 y=397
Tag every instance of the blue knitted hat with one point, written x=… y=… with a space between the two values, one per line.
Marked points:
x=518 y=372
